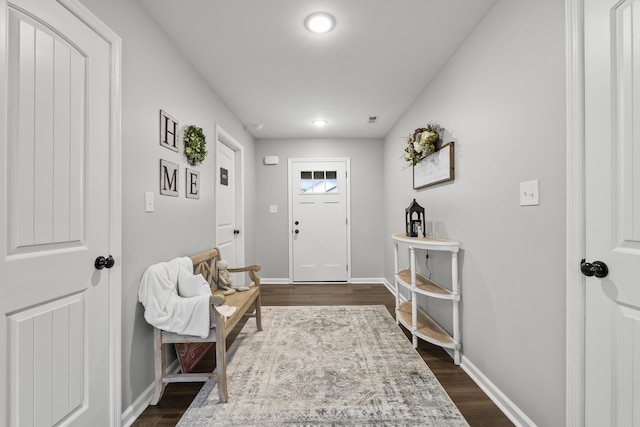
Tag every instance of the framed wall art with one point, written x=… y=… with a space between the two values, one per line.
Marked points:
x=168 y=178
x=169 y=131
x=192 y=184
x=434 y=169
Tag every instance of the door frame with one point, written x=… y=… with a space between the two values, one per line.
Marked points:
x=576 y=213
x=115 y=207
x=290 y=162
x=223 y=137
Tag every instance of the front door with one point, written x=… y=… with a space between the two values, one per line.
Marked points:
x=612 y=141
x=319 y=220
x=229 y=218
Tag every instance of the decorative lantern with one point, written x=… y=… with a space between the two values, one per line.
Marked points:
x=414 y=218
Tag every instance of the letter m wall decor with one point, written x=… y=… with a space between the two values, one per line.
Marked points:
x=168 y=178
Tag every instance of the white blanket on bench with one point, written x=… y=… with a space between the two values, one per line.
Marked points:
x=164 y=308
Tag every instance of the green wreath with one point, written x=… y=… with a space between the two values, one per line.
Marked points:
x=194 y=144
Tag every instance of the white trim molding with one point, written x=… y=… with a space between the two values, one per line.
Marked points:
x=496 y=395
x=131 y=414
x=575 y=222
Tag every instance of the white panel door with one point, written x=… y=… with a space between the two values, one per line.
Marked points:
x=612 y=138
x=55 y=348
x=229 y=199
x=319 y=220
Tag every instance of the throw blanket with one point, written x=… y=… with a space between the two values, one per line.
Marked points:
x=164 y=308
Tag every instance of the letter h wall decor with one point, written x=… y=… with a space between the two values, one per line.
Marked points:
x=170 y=171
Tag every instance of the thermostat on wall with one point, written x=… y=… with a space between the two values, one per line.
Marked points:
x=271 y=160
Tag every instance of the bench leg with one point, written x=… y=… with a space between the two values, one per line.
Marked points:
x=259 y=312
x=158 y=353
x=221 y=362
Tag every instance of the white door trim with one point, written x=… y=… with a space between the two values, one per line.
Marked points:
x=115 y=214
x=223 y=137
x=290 y=183
x=576 y=225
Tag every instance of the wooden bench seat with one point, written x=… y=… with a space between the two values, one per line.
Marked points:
x=247 y=303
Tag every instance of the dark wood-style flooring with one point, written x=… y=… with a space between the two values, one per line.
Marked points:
x=476 y=407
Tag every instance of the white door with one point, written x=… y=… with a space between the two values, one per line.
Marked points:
x=229 y=199
x=319 y=220
x=612 y=141
x=56 y=365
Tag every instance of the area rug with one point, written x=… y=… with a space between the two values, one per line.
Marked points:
x=325 y=366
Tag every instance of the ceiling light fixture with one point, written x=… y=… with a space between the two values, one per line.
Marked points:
x=319 y=123
x=320 y=22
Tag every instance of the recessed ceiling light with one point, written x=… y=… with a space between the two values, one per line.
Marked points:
x=319 y=123
x=320 y=22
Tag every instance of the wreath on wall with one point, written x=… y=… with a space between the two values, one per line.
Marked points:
x=194 y=144
x=422 y=142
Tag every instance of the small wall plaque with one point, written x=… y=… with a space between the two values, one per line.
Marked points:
x=224 y=176
x=193 y=184
x=169 y=131
x=168 y=178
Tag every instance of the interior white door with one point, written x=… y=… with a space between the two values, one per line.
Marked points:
x=229 y=237
x=55 y=363
x=612 y=138
x=319 y=220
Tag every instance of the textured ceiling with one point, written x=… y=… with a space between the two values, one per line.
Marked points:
x=257 y=56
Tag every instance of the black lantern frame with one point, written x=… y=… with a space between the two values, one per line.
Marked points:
x=414 y=220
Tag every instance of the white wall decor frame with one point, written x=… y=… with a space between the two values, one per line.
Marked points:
x=168 y=178
x=192 y=183
x=169 y=131
x=435 y=168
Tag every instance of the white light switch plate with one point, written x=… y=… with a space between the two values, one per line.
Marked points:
x=529 y=193
x=273 y=208
x=148 y=201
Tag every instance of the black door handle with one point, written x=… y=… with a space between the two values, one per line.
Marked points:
x=102 y=262
x=236 y=232
x=597 y=268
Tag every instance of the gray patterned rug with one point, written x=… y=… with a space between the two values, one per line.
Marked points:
x=325 y=366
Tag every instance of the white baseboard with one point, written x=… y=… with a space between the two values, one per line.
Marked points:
x=498 y=397
x=142 y=402
x=274 y=281
x=353 y=281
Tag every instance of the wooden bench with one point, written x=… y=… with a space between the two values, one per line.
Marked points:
x=248 y=303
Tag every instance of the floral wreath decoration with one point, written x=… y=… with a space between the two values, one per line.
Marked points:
x=421 y=143
x=194 y=144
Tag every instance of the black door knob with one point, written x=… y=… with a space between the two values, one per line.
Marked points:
x=102 y=262
x=296 y=223
x=236 y=231
x=597 y=268
x=296 y=231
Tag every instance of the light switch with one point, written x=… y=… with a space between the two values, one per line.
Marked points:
x=148 y=201
x=273 y=208
x=529 y=194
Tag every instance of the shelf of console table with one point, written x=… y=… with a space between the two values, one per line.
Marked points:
x=408 y=314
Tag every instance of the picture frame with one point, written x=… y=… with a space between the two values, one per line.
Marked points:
x=435 y=168
x=169 y=131
x=192 y=182
x=168 y=178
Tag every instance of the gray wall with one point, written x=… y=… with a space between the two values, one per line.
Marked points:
x=501 y=98
x=155 y=76
x=367 y=201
